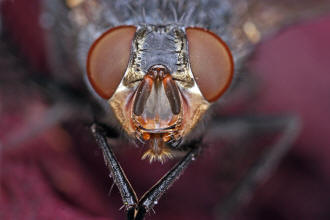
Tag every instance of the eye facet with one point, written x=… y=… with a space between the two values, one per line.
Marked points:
x=211 y=62
x=108 y=59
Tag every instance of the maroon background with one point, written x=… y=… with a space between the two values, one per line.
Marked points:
x=50 y=177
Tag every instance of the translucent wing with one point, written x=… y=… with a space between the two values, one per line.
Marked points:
x=249 y=22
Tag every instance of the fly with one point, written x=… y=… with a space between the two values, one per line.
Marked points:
x=150 y=105
x=157 y=67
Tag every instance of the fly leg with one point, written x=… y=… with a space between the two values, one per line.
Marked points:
x=266 y=162
x=126 y=190
x=136 y=209
x=151 y=197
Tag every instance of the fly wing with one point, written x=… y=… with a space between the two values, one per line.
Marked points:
x=250 y=21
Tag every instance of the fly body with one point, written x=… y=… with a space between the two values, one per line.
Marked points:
x=158 y=99
x=158 y=66
x=154 y=74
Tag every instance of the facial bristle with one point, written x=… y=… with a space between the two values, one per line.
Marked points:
x=161 y=157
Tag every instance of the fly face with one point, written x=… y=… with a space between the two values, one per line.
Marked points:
x=159 y=80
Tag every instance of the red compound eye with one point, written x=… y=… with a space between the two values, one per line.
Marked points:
x=108 y=59
x=211 y=62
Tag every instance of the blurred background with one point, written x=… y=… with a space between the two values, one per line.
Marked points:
x=50 y=167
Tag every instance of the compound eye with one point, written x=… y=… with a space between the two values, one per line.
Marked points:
x=211 y=62
x=108 y=59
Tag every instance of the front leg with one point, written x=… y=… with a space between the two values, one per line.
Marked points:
x=136 y=209
x=151 y=197
x=127 y=193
